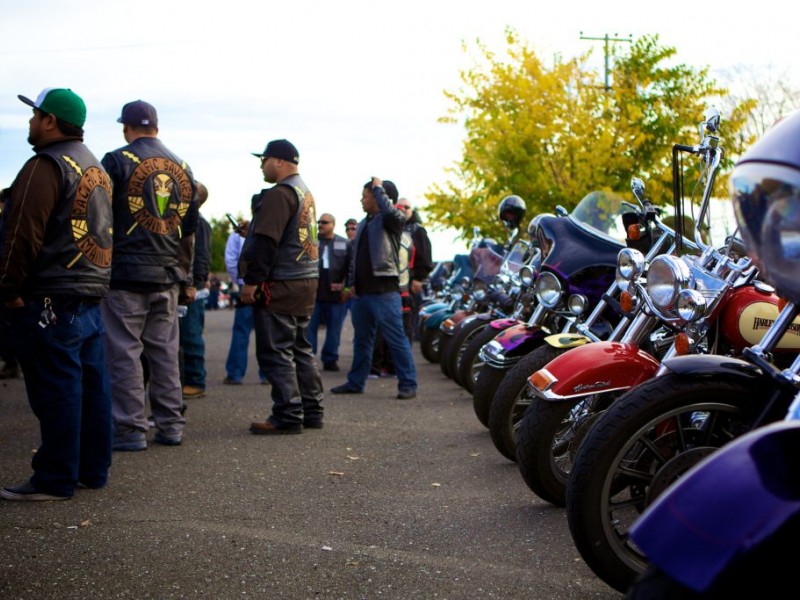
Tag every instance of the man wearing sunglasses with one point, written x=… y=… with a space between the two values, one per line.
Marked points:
x=334 y=258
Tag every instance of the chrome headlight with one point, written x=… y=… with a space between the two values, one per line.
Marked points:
x=630 y=265
x=479 y=295
x=691 y=305
x=577 y=304
x=666 y=277
x=548 y=290
x=526 y=276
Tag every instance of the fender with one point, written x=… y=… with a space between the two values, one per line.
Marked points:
x=566 y=340
x=501 y=324
x=593 y=368
x=435 y=320
x=428 y=310
x=725 y=505
x=518 y=340
x=456 y=320
x=712 y=365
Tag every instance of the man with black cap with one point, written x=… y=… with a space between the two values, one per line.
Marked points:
x=279 y=266
x=375 y=281
x=155 y=217
x=54 y=270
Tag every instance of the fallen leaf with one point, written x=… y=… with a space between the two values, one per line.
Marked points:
x=85 y=523
x=436 y=484
x=335 y=473
x=353 y=457
x=475 y=453
x=327 y=548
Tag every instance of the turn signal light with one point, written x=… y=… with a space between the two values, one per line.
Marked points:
x=682 y=345
x=634 y=233
x=626 y=301
x=541 y=380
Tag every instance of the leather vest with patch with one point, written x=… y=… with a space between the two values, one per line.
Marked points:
x=298 y=251
x=75 y=259
x=152 y=202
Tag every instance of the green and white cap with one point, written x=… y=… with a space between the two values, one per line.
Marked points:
x=61 y=102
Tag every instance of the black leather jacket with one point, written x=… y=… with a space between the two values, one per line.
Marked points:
x=385 y=229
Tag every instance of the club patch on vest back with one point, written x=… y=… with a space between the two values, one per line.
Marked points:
x=161 y=178
x=92 y=200
x=758 y=317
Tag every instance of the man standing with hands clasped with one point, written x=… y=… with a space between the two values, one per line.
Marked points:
x=375 y=282
x=279 y=265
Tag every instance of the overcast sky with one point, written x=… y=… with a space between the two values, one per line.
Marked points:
x=357 y=86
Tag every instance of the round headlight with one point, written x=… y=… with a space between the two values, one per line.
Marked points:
x=691 y=305
x=548 y=290
x=526 y=276
x=577 y=304
x=667 y=276
x=479 y=295
x=630 y=265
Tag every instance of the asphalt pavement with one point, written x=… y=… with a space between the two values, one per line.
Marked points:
x=392 y=499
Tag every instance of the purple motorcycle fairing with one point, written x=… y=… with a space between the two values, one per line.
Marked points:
x=501 y=324
x=519 y=339
x=724 y=506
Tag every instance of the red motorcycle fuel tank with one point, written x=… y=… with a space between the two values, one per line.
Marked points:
x=592 y=369
x=749 y=312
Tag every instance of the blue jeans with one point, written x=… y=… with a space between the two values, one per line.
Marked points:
x=380 y=312
x=236 y=364
x=193 y=346
x=333 y=313
x=68 y=390
x=283 y=351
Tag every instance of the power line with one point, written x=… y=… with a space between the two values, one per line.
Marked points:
x=607 y=39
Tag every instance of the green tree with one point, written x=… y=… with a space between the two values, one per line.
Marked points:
x=220 y=230
x=553 y=135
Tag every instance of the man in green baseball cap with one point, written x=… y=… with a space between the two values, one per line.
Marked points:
x=60 y=102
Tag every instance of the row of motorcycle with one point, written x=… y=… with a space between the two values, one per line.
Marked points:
x=616 y=348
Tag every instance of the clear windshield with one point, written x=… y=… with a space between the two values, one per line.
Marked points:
x=602 y=211
x=516 y=257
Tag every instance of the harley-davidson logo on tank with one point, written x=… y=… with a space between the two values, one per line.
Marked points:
x=756 y=318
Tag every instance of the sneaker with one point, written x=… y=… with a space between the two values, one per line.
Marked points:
x=151 y=422
x=189 y=392
x=231 y=381
x=346 y=388
x=26 y=492
x=373 y=376
x=131 y=442
x=268 y=428
x=330 y=366
x=406 y=394
x=167 y=440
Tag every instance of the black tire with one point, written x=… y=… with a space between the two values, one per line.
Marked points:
x=647 y=439
x=444 y=351
x=470 y=365
x=463 y=336
x=548 y=437
x=513 y=398
x=429 y=344
x=486 y=385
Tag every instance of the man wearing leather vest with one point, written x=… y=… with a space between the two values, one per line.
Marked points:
x=54 y=270
x=279 y=266
x=330 y=308
x=155 y=217
x=374 y=277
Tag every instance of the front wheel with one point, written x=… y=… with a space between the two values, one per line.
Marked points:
x=646 y=440
x=485 y=386
x=465 y=334
x=471 y=363
x=429 y=344
x=513 y=398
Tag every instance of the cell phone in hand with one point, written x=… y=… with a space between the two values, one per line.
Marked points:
x=235 y=223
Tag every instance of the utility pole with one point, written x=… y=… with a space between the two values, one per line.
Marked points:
x=608 y=39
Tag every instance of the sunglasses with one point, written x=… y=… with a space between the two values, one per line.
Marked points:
x=323 y=222
x=402 y=207
x=351 y=227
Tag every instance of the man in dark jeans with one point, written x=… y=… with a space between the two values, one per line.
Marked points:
x=54 y=270
x=330 y=308
x=377 y=307
x=280 y=272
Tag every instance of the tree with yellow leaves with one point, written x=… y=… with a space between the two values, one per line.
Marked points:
x=553 y=135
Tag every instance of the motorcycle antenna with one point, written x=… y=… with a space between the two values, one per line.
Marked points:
x=607 y=39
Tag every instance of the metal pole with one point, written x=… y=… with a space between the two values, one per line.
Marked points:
x=608 y=39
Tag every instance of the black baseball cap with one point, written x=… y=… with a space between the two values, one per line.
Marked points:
x=282 y=149
x=139 y=114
